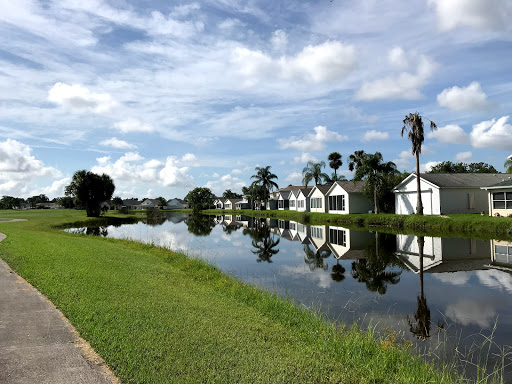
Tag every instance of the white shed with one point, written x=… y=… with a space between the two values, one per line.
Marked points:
x=317 y=201
x=446 y=193
x=346 y=197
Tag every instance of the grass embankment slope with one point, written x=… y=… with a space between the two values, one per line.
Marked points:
x=156 y=316
x=464 y=225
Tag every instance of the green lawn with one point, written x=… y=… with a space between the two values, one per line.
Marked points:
x=156 y=316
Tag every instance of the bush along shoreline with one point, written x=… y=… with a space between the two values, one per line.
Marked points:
x=157 y=316
x=459 y=225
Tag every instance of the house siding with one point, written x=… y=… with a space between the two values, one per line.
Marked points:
x=316 y=193
x=456 y=200
x=406 y=198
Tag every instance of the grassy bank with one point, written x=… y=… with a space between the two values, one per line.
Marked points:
x=156 y=316
x=462 y=225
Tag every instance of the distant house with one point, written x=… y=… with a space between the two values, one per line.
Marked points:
x=444 y=193
x=177 y=204
x=131 y=204
x=231 y=203
x=151 y=204
x=345 y=197
x=302 y=201
x=243 y=204
x=317 y=200
x=49 y=205
x=499 y=198
x=218 y=202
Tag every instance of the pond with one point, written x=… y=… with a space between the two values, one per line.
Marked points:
x=457 y=296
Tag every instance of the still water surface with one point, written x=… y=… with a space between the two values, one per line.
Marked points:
x=453 y=298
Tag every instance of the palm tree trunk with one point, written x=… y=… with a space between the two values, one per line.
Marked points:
x=421 y=243
x=419 y=205
x=375 y=200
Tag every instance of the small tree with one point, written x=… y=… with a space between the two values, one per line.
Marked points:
x=200 y=198
x=162 y=202
x=89 y=190
x=118 y=202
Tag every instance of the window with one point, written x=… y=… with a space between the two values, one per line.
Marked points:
x=503 y=254
x=292 y=226
x=337 y=203
x=502 y=200
x=317 y=232
x=316 y=202
x=337 y=236
x=280 y=203
x=292 y=203
x=300 y=203
x=228 y=206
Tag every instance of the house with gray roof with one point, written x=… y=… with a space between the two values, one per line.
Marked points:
x=316 y=197
x=345 y=197
x=499 y=198
x=446 y=193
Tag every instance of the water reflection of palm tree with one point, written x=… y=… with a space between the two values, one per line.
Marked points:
x=372 y=269
x=314 y=259
x=338 y=272
x=264 y=244
x=421 y=329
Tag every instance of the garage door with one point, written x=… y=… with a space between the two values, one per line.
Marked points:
x=406 y=203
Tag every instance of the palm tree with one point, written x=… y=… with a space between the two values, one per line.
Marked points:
x=334 y=177
x=508 y=164
x=374 y=171
x=264 y=245
x=414 y=124
x=335 y=161
x=315 y=259
x=265 y=179
x=313 y=171
x=338 y=272
x=355 y=160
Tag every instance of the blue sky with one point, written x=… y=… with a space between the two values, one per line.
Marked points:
x=165 y=96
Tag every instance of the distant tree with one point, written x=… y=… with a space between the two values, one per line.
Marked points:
x=313 y=171
x=162 y=202
x=333 y=178
x=89 y=190
x=374 y=171
x=10 y=202
x=200 y=225
x=335 y=161
x=355 y=160
x=449 y=167
x=255 y=193
x=34 y=200
x=66 y=202
x=118 y=202
x=413 y=124
x=200 y=198
x=265 y=179
x=508 y=164
x=228 y=194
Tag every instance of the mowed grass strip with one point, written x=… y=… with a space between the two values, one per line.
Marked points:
x=156 y=316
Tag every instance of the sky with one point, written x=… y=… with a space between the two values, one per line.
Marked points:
x=167 y=96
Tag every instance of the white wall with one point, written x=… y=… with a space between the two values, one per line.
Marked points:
x=303 y=198
x=338 y=191
x=406 y=198
x=317 y=194
x=456 y=200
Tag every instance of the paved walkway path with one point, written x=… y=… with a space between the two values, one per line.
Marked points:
x=38 y=345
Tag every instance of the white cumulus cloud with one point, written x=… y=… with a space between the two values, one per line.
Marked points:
x=405 y=85
x=398 y=58
x=428 y=166
x=450 y=133
x=133 y=125
x=464 y=156
x=465 y=98
x=279 y=39
x=294 y=178
x=375 y=135
x=79 y=99
x=225 y=182
x=312 y=141
x=304 y=158
x=116 y=143
x=492 y=134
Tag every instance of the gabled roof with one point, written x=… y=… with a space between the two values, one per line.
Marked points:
x=290 y=188
x=459 y=180
x=233 y=201
x=285 y=194
x=305 y=191
x=349 y=186
x=131 y=202
x=322 y=188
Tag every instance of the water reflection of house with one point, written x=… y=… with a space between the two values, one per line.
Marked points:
x=501 y=254
x=443 y=254
x=318 y=237
x=348 y=244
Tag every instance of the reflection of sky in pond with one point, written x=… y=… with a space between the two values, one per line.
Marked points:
x=464 y=294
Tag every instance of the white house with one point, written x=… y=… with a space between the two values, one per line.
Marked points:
x=348 y=243
x=346 y=197
x=177 y=204
x=231 y=203
x=444 y=193
x=150 y=204
x=302 y=200
x=317 y=200
x=499 y=198
x=243 y=204
x=131 y=204
x=283 y=201
x=218 y=202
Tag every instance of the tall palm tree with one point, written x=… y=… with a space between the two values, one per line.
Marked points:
x=265 y=179
x=414 y=124
x=335 y=161
x=508 y=164
x=313 y=171
x=264 y=245
x=356 y=159
x=373 y=170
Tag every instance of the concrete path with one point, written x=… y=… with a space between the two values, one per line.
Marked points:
x=38 y=345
